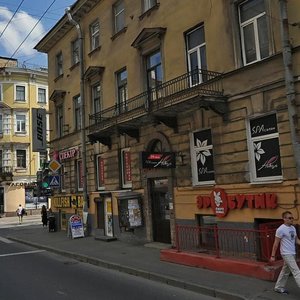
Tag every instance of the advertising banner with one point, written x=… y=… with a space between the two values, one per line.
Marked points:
x=38 y=130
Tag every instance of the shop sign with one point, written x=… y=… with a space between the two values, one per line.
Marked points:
x=68 y=154
x=39 y=143
x=76 y=226
x=73 y=201
x=165 y=160
x=221 y=203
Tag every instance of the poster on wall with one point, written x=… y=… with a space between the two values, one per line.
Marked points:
x=76 y=226
x=134 y=213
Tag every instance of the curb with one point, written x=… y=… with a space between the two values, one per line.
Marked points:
x=137 y=272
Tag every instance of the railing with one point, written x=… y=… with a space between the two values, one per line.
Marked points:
x=6 y=170
x=225 y=242
x=198 y=82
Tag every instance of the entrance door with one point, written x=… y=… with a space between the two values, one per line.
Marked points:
x=1 y=200
x=160 y=210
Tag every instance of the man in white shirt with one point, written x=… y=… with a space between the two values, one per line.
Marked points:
x=286 y=236
x=19 y=212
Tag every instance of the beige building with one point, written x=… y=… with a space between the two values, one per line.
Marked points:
x=188 y=121
x=23 y=92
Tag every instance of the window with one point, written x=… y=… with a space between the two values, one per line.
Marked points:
x=122 y=91
x=1 y=163
x=95 y=35
x=202 y=157
x=21 y=159
x=1 y=96
x=100 y=172
x=75 y=52
x=59 y=121
x=77 y=112
x=126 y=168
x=79 y=175
x=196 y=54
x=20 y=93
x=119 y=16
x=154 y=73
x=59 y=64
x=96 y=98
x=20 y=123
x=1 y=123
x=147 y=4
x=41 y=95
x=264 y=149
x=254 y=30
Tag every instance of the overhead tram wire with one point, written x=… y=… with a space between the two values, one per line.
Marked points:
x=11 y=18
x=30 y=32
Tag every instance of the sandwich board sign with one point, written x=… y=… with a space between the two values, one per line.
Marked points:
x=76 y=226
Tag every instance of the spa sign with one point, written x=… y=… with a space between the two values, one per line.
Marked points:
x=220 y=202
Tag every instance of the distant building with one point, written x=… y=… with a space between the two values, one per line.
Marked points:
x=22 y=91
x=187 y=115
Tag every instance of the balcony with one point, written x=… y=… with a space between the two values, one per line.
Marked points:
x=6 y=174
x=162 y=104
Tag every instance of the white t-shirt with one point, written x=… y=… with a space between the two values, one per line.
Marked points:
x=287 y=234
x=19 y=210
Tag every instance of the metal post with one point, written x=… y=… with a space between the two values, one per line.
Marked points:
x=289 y=83
x=82 y=106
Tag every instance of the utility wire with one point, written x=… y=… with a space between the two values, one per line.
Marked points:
x=11 y=18
x=30 y=32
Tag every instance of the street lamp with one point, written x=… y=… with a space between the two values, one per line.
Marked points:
x=82 y=117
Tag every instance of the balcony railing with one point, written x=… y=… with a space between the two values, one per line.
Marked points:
x=198 y=82
x=224 y=242
x=6 y=173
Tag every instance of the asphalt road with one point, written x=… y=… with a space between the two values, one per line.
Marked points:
x=30 y=274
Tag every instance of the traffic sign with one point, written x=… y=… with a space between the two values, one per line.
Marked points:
x=54 y=181
x=54 y=165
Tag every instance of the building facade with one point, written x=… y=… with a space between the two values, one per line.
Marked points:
x=188 y=121
x=23 y=98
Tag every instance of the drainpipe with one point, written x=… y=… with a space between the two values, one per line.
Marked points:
x=289 y=83
x=82 y=107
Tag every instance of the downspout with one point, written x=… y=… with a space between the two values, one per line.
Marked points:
x=82 y=106
x=289 y=83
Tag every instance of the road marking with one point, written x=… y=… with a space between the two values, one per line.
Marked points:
x=4 y=240
x=21 y=253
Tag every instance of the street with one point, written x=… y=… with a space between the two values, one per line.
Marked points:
x=29 y=273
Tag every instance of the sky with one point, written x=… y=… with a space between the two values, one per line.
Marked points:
x=21 y=30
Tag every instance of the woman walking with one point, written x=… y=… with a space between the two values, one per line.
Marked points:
x=44 y=216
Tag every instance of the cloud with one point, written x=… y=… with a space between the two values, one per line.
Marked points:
x=17 y=30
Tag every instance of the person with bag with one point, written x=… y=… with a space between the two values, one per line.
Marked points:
x=20 y=212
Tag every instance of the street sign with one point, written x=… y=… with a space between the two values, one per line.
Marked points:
x=54 y=165
x=54 y=181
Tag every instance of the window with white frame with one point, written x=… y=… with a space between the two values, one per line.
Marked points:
x=42 y=95
x=20 y=93
x=254 y=30
x=20 y=125
x=147 y=4
x=77 y=112
x=75 y=52
x=122 y=90
x=196 y=54
x=100 y=172
x=119 y=16
x=59 y=121
x=21 y=158
x=202 y=160
x=59 y=64
x=95 y=35
x=96 y=101
x=264 y=148
x=126 y=168
x=79 y=175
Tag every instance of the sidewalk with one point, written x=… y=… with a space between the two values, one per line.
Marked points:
x=145 y=262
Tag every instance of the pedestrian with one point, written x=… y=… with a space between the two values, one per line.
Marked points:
x=44 y=215
x=20 y=212
x=286 y=237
